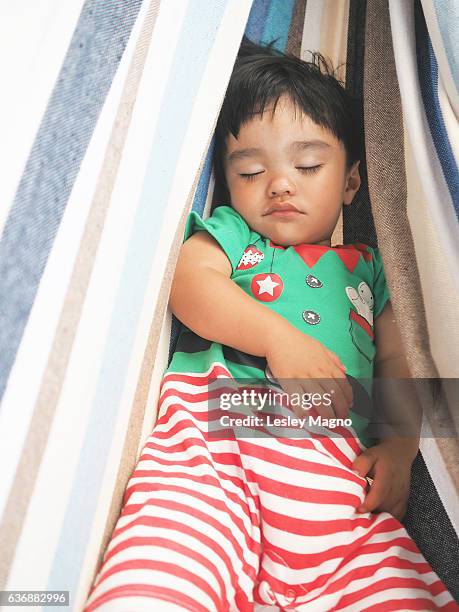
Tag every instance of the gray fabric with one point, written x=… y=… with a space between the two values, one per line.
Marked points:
x=428 y=524
x=426 y=519
x=63 y=136
x=388 y=189
x=295 y=33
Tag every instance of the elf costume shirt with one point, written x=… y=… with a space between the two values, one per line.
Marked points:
x=333 y=294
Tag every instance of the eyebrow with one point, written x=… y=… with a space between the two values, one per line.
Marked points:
x=297 y=145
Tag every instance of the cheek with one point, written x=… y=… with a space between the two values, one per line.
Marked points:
x=327 y=187
x=241 y=189
x=323 y=189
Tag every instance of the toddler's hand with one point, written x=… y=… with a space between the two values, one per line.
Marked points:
x=302 y=365
x=391 y=470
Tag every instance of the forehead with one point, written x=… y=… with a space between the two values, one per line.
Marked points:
x=295 y=146
x=287 y=129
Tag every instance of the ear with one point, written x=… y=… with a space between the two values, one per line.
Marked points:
x=352 y=183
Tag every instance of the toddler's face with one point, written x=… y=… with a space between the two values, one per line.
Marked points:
x=288 y=161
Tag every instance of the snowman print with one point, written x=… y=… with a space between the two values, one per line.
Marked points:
x=363 y=300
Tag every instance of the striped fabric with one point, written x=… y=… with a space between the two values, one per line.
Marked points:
x=442 y=18
x=215 y=523
x=432 y=206
x=108 y=110
x=425 y=127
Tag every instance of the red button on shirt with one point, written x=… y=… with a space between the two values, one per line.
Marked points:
x=267 y=287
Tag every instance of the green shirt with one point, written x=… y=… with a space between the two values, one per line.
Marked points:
x=330 y=293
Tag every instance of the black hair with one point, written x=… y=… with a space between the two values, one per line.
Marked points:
x=261 y=75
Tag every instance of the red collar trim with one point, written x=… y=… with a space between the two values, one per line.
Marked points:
x=349 y=253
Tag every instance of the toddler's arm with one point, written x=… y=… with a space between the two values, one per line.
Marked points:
x=206 y=300
x=210 y=303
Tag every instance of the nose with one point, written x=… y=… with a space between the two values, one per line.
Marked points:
x=280 y=186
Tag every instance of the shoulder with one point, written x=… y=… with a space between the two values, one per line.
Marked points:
x=368 y=252
x=226 y=226
x=227 y=214
x=223 y=218
x=371 y=255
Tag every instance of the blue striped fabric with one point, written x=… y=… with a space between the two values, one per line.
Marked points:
x=187 y=69
x=428 y=79
x=257 y=20
x=278 y=22
x=447 y=12
x=431 y=178
x=73 y=109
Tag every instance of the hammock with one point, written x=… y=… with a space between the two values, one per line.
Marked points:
x=108 y=112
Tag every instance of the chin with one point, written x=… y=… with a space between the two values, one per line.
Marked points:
x=286 y=241
x=287 y=234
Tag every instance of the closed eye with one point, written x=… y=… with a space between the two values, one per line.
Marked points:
x=309 y=169
x=305 y=169
x=250 y=177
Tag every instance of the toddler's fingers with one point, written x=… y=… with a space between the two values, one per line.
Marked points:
x=309 y=390
x=399 y=510
x=364 y=463
x=294 y=390
x=379 y=491
x=373 y=499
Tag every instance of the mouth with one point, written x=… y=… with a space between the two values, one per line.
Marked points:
x=288 y=214
x=284 y=210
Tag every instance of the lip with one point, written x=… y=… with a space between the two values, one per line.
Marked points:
x=283 y=210
x=287 y=214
